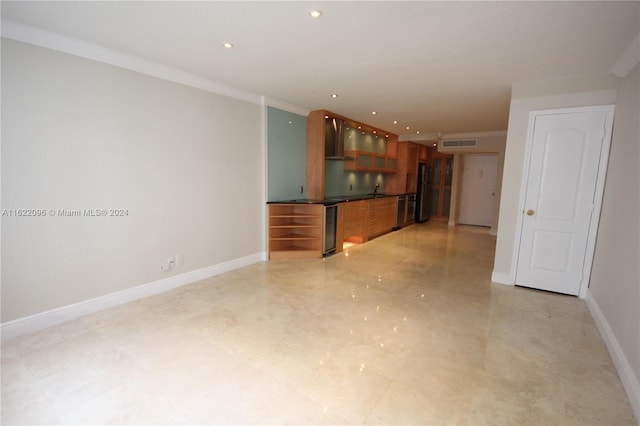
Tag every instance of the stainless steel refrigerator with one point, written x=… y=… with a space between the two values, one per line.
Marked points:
x=423 y=193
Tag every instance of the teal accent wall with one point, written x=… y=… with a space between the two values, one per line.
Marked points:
x=286 y=155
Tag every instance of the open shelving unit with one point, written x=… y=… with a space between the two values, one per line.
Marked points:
x=295 y=231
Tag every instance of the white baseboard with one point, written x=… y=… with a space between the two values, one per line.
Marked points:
x=502 y=278
x=629 y=380
x=32 y=323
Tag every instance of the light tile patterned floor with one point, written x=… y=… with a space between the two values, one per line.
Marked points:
x=406 y=329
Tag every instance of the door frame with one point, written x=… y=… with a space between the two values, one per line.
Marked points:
x=598 y=195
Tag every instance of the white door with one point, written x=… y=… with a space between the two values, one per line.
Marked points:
x=478 y=189
x=562 y=203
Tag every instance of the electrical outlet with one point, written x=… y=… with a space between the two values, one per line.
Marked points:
x=165 y=267
x=179 y=260
x=171 y=262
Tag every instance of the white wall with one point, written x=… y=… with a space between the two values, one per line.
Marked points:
x=614 y=292
x=615 y=275
x=527 y=97
x=187 y=164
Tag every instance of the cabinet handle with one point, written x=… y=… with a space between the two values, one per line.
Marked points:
x=530 y=212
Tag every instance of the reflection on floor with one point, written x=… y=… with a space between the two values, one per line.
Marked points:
x=407 y=329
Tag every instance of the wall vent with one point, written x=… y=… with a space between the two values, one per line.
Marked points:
x=466 y=143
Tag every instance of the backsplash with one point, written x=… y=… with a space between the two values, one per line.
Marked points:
x=338 y=182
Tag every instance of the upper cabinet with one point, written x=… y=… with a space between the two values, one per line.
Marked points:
x=365 y=161
x=315 y=154
x=405 y=180
x=359 y=147
x=367 y=151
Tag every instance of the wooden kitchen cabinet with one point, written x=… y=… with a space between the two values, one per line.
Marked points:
x=382 y=216
x=316 y=130
x=354 y=223
x=405 y=180
x=364 y=161
x=442 y=169
x=367 y=219
x=295 y=231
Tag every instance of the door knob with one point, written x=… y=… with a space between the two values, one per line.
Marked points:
x=530 y=212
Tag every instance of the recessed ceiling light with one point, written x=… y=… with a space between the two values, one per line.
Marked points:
x=227 y=45
x=408 y=127
x=315 y=13
x=395 y=121
x=418 y=132
x=333 y=95
x=373 y=112
x=435 y=144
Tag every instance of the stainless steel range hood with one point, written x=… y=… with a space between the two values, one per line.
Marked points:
x=334 y=139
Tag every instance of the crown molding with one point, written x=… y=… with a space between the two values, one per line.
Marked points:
x=43 y=38
x=629 y=58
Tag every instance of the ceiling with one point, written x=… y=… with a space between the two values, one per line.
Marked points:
x=435 y=67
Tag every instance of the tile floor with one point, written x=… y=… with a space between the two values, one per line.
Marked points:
x=406 y=329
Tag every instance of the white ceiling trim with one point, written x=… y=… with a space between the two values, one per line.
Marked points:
x=629 y=58
x=43 y=38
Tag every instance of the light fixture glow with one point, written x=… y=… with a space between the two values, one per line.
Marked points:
x=315 y=13
x=373 y=113
x=227 y=45
x=333 y=95
x=395 y=121
x=408 y=127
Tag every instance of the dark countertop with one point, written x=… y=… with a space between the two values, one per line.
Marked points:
x=358 y=197
x=335 y=199
x=297 y=201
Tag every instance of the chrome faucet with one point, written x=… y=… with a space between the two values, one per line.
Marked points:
x=375 y=190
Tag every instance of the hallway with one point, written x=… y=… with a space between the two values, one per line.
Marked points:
x=405 y=329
